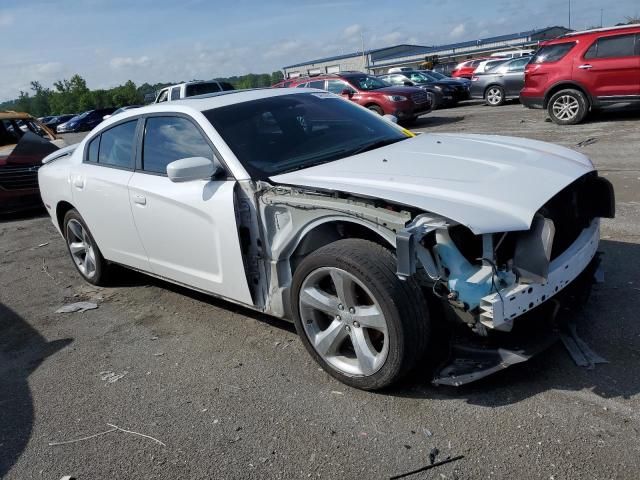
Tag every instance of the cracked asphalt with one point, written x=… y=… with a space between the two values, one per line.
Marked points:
x=233 y=394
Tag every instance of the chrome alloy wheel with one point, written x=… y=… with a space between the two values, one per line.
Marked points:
x=566 y=107
x=343 y=321
x=494 y=96
x=81 y=248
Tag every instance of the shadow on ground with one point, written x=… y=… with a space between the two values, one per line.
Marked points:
x=22 y=350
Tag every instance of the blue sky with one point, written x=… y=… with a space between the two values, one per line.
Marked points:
x=111 y=41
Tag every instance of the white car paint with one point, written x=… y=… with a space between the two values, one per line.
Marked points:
x=487 y=183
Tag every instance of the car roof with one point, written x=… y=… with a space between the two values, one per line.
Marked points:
x=632 y=27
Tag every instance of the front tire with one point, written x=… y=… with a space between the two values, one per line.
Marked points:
x=495 y=96
x=357 y=319
x=84 y=251
x=377 y=109
x=568 y=107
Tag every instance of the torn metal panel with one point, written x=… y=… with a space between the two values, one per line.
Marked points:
x=288 y=215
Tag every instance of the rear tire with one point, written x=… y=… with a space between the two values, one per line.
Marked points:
x=83 y=250
x=377 y=109
x=568 y=107
x=494 y=96
x=356 y=318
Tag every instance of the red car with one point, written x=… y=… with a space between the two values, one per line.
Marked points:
x=405 y=103
x=24 y=142
x=584 y=70
x=465 y=69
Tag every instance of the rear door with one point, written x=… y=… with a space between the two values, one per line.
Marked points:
x=188 y=229
x=100 y=193
x=610 y=68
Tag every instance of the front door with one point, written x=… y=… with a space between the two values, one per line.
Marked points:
x=610 y=68
x=188 y=229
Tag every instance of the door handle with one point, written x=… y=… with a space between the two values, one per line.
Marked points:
x=586 y=66
x=78 y=182
x=140 y=199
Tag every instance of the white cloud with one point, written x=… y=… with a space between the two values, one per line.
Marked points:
x=458 y=31
x=352 y=31
x=123 y=62
x=49 y=68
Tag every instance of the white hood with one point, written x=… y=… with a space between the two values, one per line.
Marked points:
x=487 y=182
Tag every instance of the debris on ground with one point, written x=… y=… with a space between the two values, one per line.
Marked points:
x=578 y=349
x=428 y=467
x=588 y=141
x=114 y=428
x=111 y=377
x=433 y=454
x=77 y=307
x=43 y=245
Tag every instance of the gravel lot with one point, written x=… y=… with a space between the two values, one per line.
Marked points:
x=233 y=394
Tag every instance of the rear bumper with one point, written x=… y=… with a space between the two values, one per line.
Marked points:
x=11 y=202
x=532 y=102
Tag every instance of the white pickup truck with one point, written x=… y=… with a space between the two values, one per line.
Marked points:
x=191 y=89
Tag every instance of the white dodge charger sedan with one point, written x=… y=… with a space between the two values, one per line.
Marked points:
x=390 y=252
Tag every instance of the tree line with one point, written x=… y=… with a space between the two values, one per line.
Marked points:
x=74 y=96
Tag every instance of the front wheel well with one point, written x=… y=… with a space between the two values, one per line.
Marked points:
x=563 y=86
x=330 y=232
x=61 y=210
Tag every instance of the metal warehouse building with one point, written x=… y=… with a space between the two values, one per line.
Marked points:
x=380 y=60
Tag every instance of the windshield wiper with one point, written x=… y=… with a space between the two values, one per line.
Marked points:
x=374 y=145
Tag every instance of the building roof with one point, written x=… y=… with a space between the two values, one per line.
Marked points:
x=408 y=50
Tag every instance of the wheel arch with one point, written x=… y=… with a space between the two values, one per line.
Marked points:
x=61 y=210
x=564 y=85
x=314 y=235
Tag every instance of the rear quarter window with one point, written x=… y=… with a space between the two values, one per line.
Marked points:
x=552 y=53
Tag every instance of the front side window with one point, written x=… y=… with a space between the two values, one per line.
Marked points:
x=164 y=96
x=610 y=47
x=552 y=53
x=175 y=93
x=167 y=139
x=316 y=84
x=93 y=149
x=517 y=65
x=367 y=82
x=116 y=145
x=289 y=132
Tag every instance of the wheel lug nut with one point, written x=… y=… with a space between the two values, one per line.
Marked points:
x=340 y=307
x=339 y=318
x=347 y=328
x=356 y=324
x=352 y=310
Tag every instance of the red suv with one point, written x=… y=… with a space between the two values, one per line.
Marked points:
x=579 y=71
x=405 y=103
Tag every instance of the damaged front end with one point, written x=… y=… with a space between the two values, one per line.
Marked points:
x=503 y=290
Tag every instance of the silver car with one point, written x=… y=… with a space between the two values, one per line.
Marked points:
x=500 y=83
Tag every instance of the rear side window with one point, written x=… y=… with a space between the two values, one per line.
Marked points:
x=167 y=139
x=202 y=88
x=175 y=93
x=608 y=47
x=226 y=86
x=116 y=145
x=552 y=53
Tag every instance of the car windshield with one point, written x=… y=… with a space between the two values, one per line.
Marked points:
x=552 y=53
x=432 y=76
x=290 y=132
x=366 y=82
x=436 y=75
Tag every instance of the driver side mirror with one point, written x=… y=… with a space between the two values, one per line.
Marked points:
x=347 y=92
x=193 y=168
